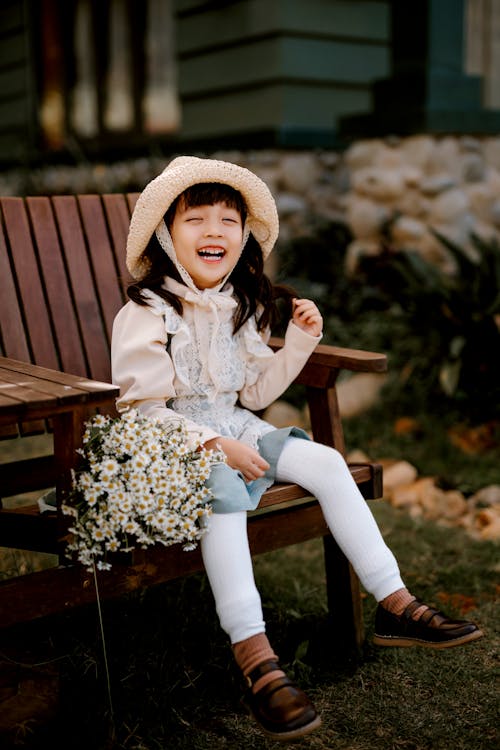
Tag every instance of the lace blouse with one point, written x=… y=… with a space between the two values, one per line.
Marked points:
x=194 y=367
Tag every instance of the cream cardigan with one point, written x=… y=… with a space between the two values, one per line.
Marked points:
x=192 y=367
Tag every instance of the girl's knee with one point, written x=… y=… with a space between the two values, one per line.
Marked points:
x=325 y=455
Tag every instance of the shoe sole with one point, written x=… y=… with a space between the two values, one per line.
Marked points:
x=293 y=734
x=388 y=640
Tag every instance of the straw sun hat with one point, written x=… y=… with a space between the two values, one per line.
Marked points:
x=181 y=173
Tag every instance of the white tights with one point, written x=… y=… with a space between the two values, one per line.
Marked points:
x=324 y=473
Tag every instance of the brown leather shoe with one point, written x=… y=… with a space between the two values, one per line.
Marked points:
x=280 y=708
x=433 y=629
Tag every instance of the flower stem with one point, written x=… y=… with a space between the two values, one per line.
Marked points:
x=104 y=651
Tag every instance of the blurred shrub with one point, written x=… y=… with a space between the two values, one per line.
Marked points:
x=441 y=331
x=455 y=316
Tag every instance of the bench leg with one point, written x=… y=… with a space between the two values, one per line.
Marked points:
x=344 y=597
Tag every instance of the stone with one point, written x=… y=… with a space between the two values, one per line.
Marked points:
x=404 y=496
x=489 y=495
x=418 y=150
x=495 y=213
x=453 y=504
x=491 y=151
x=283 y=414
x=377 y=183
x=362 y=153
x=398 y=474
x=413 y=203
x=437 y=184
x=468 y=143
x=270 y=175
x=329 y=159
x=407 y=231
x=388 y=158
x=444 y=157
x=487 y=523
x=358 y=249
x=359 y=392
x=430 y=499
x=473 y=167
x=481 y=200
x=412 y=176
x=298 y=172
x=448 y=206
x=357 y=456
x=365 y=217
x=288 y=203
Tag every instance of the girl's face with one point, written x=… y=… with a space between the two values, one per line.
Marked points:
x=207 y=241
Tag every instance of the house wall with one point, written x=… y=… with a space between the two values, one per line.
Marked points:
x=16 y=94
x=284 y=71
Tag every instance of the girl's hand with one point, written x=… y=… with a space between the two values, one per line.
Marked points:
x=307 y=316
x=240 y=457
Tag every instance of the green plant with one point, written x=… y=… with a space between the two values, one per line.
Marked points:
x=455 y=316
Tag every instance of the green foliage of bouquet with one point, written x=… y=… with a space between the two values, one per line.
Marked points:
x=139 y=484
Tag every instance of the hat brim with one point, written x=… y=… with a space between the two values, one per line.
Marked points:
x=182 y=173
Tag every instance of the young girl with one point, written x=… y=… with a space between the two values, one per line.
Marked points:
x=192 y=343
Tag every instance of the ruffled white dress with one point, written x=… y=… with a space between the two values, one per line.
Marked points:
x=193 y=367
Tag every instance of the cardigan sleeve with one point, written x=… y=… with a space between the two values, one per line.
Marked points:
x=143 y=369
x=272 y=371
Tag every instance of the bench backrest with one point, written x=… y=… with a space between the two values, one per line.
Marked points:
x=63 y=279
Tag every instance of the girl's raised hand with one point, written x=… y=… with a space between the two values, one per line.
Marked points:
x=307 y=316
x=240 y=457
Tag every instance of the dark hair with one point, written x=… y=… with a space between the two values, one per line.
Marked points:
x=255 y=292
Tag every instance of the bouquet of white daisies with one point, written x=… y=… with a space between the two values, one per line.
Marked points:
x=139 y=484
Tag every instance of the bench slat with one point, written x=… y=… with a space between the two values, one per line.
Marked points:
x=118 y=217
x=102 y=259
x=64 y=319
x=32 y=299
x=13 y=339
x=86 y=302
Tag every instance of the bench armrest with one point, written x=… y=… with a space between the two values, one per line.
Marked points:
x=323 y=366
x=319 y=374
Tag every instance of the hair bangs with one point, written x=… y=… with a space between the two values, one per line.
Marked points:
x=208 y=194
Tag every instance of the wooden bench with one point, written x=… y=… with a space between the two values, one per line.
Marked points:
x=63 y=279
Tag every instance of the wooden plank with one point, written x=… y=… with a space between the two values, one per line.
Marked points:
x=64 y=320
x=13 y=337
x=8 y=431
x=102 y=259
x=343 y=595
x=325 y=417
x=26 y=528
x=118 y=217
x=338 y=358
x=83 y=289
x=26 y=475
x=202 y=25
x=29 y=388
x=58 y=589
x=14 y=478
x=29 y=282
x=98 y=389
x=284 y=59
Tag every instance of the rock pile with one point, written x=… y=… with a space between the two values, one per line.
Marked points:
x=478 y=514
x=395 y=189
x=421 y=497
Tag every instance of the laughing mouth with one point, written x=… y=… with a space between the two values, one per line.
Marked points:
x=211 y=253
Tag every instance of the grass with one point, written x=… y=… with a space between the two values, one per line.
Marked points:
x=174 y=686
x=430 y=447
x=173 y=683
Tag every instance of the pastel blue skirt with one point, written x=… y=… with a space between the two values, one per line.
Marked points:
x=230 y=491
